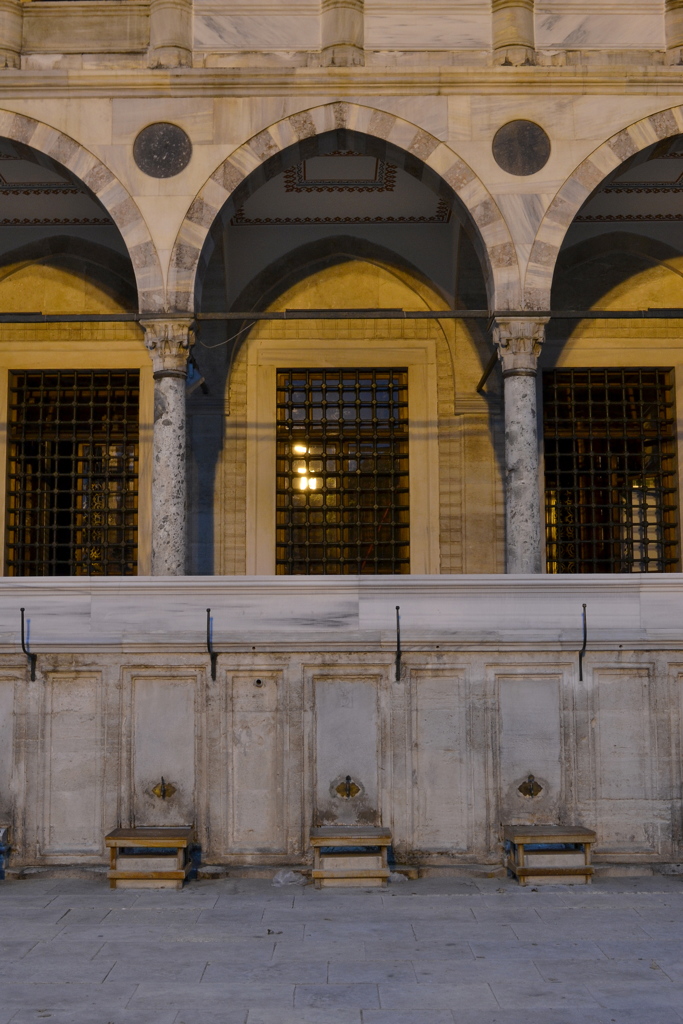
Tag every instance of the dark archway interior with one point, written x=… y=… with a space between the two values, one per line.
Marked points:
x=47 y=214
x=631 y=222
x=327 y=200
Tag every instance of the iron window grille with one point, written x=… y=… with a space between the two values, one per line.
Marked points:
x=610 y=471
x=342 y=472
x=72 y=473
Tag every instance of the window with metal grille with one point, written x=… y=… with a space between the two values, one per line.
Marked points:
x=610 y=471
x=72 y=492
x=342 y=472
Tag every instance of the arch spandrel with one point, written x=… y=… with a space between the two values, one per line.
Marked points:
x=496 y=248
x=115 y=198
x=578 y=188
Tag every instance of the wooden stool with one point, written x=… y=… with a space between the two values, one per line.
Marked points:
x=148 y=870
x=359 y=868
x=549 y=854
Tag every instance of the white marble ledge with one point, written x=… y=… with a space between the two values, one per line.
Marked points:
x=311 y=613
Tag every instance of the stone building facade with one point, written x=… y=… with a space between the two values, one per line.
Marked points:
x=385 y=297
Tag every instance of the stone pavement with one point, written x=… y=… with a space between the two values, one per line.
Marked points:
x=454 y=951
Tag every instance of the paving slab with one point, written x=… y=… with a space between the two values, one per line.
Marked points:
x=437 y=997
x=437 y=952
x=327 y=997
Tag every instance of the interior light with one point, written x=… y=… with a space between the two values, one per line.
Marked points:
x=313 y=483
x=303 y=482
x=301 y=469
x=299 y=449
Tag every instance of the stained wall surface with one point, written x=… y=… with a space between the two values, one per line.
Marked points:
x=306 y=693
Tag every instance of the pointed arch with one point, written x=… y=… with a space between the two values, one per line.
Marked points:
x=115 y=198
x=579 y=186
x=496 y=247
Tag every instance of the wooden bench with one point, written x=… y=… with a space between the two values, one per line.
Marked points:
x=140 y=857
x=350 y=866
x=549 y=854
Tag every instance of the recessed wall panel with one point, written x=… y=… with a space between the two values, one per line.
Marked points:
x=440 y=762
x=164 y=750
x=256 y=776
x=6 y=745
x=73 y=765
x=530 y=744
x=346 y=746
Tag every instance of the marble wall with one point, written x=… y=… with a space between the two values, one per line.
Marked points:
x=608 y=24
x=306 y=693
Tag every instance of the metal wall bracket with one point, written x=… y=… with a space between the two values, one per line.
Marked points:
x=582 y=652
x=209 y=646
x=31 y=658
x=398 y=643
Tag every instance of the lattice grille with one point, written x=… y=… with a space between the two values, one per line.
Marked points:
x=342 y=472
x=610 y=471
x=73 y=473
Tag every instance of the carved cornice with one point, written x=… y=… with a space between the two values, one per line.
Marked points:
x=169 y=343
x=519 y=344
x=658 y=80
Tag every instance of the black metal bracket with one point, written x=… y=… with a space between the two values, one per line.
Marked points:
x=32 y=658
x=582 y=652
x=398 y=643
x=209 y=646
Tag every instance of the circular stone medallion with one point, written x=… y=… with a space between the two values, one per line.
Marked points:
x=521 y=148
x=162 y=150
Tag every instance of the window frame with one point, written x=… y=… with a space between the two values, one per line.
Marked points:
x=265 y=355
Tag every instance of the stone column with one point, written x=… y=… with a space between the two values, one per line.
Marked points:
x=11 y=26
x=674 y=31
x=169 y=343
x=519 y=344
x=343 y=33
x=170 y=33
x=513 y=32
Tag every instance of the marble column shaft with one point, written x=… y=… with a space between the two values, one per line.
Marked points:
x=169 y=343
x=513 y=32
x=519 y=344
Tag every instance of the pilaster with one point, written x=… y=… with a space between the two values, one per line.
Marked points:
x=170 y=33
x=674 y=31
x=11 y=25
x=513 y=32
x=343 y=33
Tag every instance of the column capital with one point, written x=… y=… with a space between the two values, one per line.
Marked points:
x=519 y=343
x=169 y=343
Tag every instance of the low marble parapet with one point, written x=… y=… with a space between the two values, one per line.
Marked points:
x=299 y=613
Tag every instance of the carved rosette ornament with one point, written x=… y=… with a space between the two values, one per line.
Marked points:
x=519 y=344
x=169 y=343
